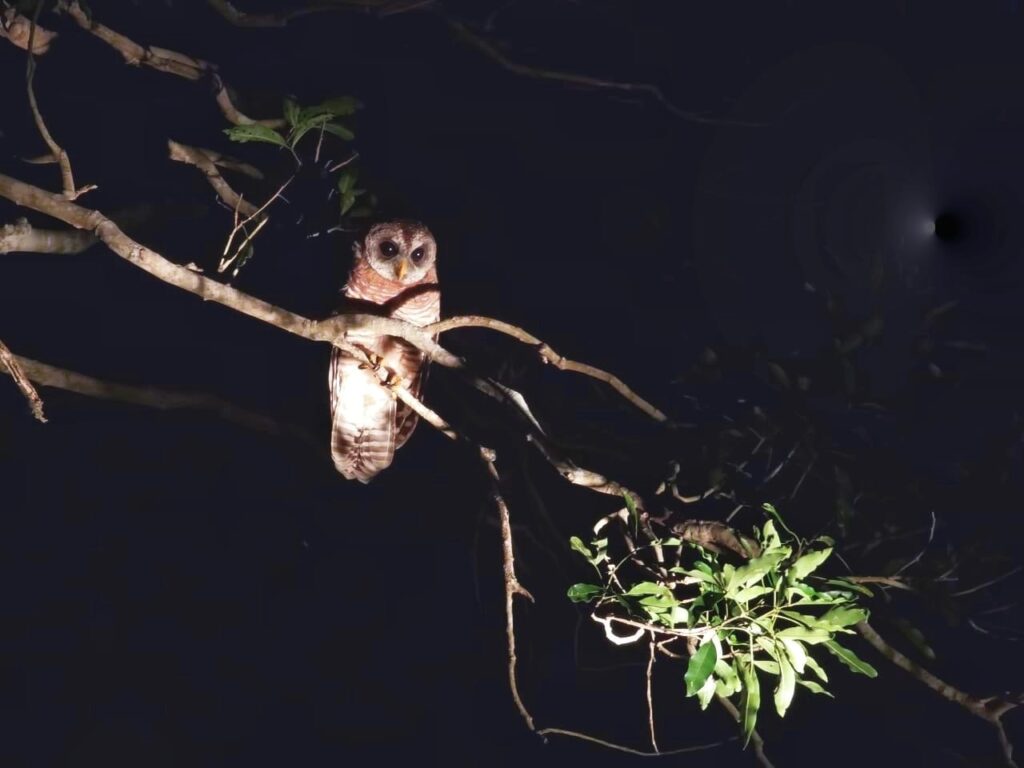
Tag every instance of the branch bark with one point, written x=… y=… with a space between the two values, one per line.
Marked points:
x=14 y=367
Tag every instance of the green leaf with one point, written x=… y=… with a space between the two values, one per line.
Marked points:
x=577 y=543
x=816 y=668
x=807 y=564
x=307 y=125
x=707 y=692
x=291 y=112
x=786 y=688
x=771 y=667
x=347 y=180
x=700 y=574
x=851 y=586
x=851 y=659
x=758 y=568
x=796 y=652
x=751 y=699
x=838 y=618
x=702 y=664
x=745 y=595
x=663 y=602
x=769 y=536
x=339 y=106
x=805 y=634
x=649 y=588
x=348 y=199
x=633 y=515
x=679 y=615
x=729 y=681
x=340 y=131
x=584 y=593
x=815 y=687
x=255 y=132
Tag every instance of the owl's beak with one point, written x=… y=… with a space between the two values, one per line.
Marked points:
x=401 y=269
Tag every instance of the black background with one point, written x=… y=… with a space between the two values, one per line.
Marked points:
x=182 y=591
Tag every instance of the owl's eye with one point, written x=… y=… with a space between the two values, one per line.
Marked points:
x=388 y=249
x=418 y=255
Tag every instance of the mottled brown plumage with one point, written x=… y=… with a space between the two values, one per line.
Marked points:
x=395 y=273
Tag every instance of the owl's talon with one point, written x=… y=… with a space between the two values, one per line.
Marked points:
x=373 y=362
x=393 y=383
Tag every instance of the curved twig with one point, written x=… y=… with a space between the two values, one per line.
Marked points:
x=548 y=355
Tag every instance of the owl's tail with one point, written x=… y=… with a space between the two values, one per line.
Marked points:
x=362 y=420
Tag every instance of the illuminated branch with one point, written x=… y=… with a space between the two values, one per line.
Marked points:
x=333 y=330
x=15 y=368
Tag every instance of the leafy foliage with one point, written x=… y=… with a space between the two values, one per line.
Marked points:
x=762 y=619
x=321 y=117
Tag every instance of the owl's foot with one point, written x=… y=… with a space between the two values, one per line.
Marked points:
x=373 y=362
x=393 y=383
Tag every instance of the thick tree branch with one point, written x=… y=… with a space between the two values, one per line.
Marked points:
x=332 y=330
x=22 y=237
x=18 y=30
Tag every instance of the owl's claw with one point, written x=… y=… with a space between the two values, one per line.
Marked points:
x=373 y=362
x=393 y=383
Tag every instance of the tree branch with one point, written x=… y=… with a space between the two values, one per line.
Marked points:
x=151 y=397
x=164 y=60
x=548 y=355
x=14 y=367
x=990 y=709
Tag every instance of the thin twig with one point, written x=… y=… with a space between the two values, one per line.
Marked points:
x=920 y=554
x=629 y=750
x=990 y=582
x=512 y=585
x=170 y=62
x=10 y=364
x=650 y=698
x=66 y=175
x=263 y=20
x=549 y=356
x=650 y=90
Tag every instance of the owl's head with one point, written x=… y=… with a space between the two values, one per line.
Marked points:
x=400 y=251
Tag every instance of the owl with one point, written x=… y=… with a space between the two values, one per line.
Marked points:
x=394 y=273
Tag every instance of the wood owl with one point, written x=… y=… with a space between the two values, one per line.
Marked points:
x=395 y=274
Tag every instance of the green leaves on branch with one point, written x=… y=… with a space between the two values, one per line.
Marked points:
x=763 y=617
x=247 y=133
x=300 y=121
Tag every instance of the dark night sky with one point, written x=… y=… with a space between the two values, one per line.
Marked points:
x=181 y=591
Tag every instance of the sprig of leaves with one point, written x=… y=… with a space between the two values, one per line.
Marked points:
x=301 y=120
x=761 y=618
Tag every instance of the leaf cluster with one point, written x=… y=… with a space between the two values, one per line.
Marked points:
x=765 y=618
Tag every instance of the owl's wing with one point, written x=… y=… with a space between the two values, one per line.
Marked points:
x=363 y=419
